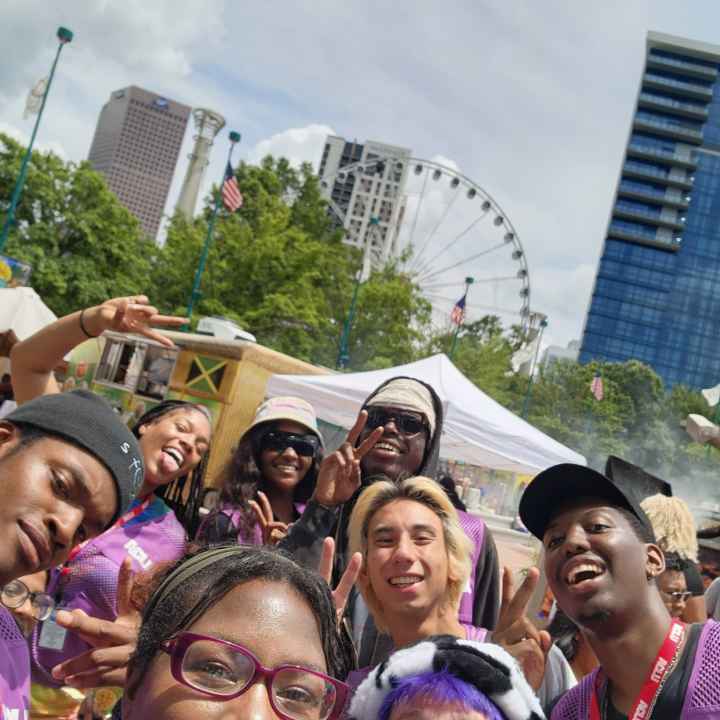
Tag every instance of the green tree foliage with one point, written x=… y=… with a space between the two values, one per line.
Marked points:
x=279 y=268
x=482 y=353
x=82 y=244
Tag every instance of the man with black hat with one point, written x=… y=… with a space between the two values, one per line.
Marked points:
x=68 y=469
x=602 y=562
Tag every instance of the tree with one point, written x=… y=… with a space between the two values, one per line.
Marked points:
x=82 y=244
x=482 y=353
x=279 y=268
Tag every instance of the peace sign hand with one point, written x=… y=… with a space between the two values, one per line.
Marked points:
x=516 y=633
x=339 y=475
x=342 y=592
x=273 y=531
x=129 y=314
x=113 y=641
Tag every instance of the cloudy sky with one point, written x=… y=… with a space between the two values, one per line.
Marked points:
x=531 y=100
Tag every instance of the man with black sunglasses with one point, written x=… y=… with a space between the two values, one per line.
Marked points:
x=397 y=435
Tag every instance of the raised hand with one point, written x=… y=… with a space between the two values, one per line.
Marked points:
x=273 y=531
x=516 y=632
x=130 y=314
x=113 y=641
x=342 y=592
x=339 y=475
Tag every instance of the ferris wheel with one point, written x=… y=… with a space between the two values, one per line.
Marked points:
x=448 y=233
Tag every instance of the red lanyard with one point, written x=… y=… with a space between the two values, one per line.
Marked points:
x=651 y=688
x=124 y=520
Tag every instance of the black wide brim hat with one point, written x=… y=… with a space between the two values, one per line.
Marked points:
x=554 y=488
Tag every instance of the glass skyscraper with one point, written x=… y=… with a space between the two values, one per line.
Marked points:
x=657 y=289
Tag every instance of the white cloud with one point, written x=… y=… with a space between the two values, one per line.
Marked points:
x=298 y=145
x=22 y=137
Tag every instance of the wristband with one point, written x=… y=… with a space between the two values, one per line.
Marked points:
x=82 y=325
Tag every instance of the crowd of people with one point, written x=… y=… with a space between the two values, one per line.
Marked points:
x=320 y=585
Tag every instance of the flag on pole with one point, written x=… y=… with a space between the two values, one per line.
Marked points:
x=596 y=387
x=35 y=98
x=231 y=196
x=458 y=312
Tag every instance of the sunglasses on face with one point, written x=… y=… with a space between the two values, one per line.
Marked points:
x=16 y=593
x=677 y=596
x=225 y=670
x=279 y=441
x=407 y=424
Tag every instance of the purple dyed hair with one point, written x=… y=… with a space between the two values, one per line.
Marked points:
x=442 y=688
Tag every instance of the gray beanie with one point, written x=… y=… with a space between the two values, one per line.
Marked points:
x=85 y=419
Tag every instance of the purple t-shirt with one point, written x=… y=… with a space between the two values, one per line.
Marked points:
x=153 y=536
x=14 y=669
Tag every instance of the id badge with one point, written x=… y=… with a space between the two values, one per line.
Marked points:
x=52 y=636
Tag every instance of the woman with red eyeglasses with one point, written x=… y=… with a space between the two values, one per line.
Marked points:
x=270 y=477
x=240 y=632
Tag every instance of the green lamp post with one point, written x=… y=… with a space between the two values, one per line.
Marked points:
x=64 y=37
x=195 y=293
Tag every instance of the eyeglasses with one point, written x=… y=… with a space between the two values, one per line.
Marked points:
x=279 y=441
x=406 y=424
x=15 y=593
x=677 y=596
x=224 y=670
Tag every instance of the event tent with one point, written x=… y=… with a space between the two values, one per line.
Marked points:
x=477 y=429
x=22 y=313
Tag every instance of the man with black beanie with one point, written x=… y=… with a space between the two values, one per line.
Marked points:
x=69 y=469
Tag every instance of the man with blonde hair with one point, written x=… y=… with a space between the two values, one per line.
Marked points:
x=416 y=564
x=397 y=435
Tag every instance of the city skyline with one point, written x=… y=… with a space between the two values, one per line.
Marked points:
x=541 y=125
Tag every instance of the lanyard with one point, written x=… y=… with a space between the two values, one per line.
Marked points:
x=131 y=514
x=653 y=684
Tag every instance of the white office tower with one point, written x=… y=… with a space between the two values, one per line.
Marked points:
x=365 y=185
x=207 y=125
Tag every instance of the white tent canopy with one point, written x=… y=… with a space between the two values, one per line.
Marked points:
x=23 y=312
x=477 y=429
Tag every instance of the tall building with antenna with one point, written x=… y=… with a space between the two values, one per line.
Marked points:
x=136 y=147
x=207 y=125
x=368 y=202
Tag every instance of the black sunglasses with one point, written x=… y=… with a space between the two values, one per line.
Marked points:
x=279 y=441
x=406 y=424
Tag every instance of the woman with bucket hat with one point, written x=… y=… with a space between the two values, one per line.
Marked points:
x=270 y=477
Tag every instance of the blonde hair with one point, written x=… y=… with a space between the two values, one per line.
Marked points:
x=426 y=492
x=673 y=524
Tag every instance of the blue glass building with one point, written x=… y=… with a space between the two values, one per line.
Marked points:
x=657 y=289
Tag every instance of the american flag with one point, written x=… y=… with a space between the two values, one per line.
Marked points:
x=232 y=199
x=458 y=312
x=596 y=386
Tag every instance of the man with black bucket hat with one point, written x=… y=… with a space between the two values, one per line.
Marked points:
x=601 y=562
x=69 y=469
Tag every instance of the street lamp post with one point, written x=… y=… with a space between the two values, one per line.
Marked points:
x=343 y=356
x=64 y=36
x=195 y=293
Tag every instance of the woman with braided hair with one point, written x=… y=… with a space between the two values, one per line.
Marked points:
x=174 y=438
